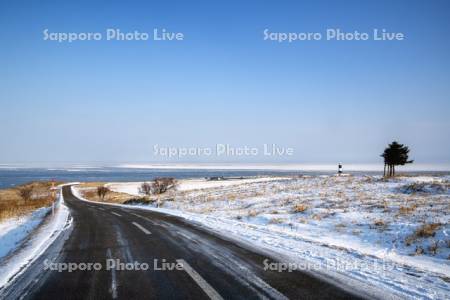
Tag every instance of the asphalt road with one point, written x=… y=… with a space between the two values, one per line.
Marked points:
x=207 y=266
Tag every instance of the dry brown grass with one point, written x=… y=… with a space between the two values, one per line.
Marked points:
x=276 y=221
x=90 y=193
x=231 y=196
x=424 y=231
x=298 y=208
x=252 y=213
x=405 y=210
x=316 y=217
x=427 y=230
x=13 y=205
x=379 y=223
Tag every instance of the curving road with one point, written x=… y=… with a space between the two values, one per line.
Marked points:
x=207 y=266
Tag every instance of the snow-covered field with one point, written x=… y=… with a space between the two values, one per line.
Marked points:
x=393 y=234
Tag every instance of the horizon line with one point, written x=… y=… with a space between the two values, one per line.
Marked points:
x=229 y=166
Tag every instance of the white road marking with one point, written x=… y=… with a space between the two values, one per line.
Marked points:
x=113 y=277
x=141 y=228
x=209 y=290
x=151 y=221
x=145 y=218
x=119 y=215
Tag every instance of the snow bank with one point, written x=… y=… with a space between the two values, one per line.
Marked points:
x=13 y=231
x=19 y=248
x=132 y=188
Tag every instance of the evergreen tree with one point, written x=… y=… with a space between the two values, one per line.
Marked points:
x=395 y=154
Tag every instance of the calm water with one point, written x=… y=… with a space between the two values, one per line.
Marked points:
x=12 y=177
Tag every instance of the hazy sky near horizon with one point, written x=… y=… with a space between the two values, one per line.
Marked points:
x=112 y=101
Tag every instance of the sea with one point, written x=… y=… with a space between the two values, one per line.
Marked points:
x=10 y=177
x=13 y=177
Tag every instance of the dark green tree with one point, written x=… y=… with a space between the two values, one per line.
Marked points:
x=395 y=154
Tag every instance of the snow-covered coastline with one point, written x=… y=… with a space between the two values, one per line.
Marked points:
x=361 y=228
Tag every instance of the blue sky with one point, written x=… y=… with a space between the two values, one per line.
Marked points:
x=111 y=101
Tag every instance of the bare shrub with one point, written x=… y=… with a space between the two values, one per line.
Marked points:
x=162 y=184
x=102 y=191
x=26 y=192
x=145 y=188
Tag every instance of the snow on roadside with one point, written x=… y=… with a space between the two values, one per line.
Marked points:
x=13 y=231
x=20 y=249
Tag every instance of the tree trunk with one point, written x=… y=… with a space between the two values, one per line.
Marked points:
x=384 y=171
x=393 y=170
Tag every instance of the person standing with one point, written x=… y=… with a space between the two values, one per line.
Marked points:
x=339 y=169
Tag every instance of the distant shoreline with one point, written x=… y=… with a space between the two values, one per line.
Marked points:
x=306 y=167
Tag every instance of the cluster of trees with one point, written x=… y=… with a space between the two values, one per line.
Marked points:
x=158 y=186
x=395 y=154
x=102 y=191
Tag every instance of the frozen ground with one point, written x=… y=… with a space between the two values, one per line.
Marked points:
x=393 y=234
x=22 y=240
